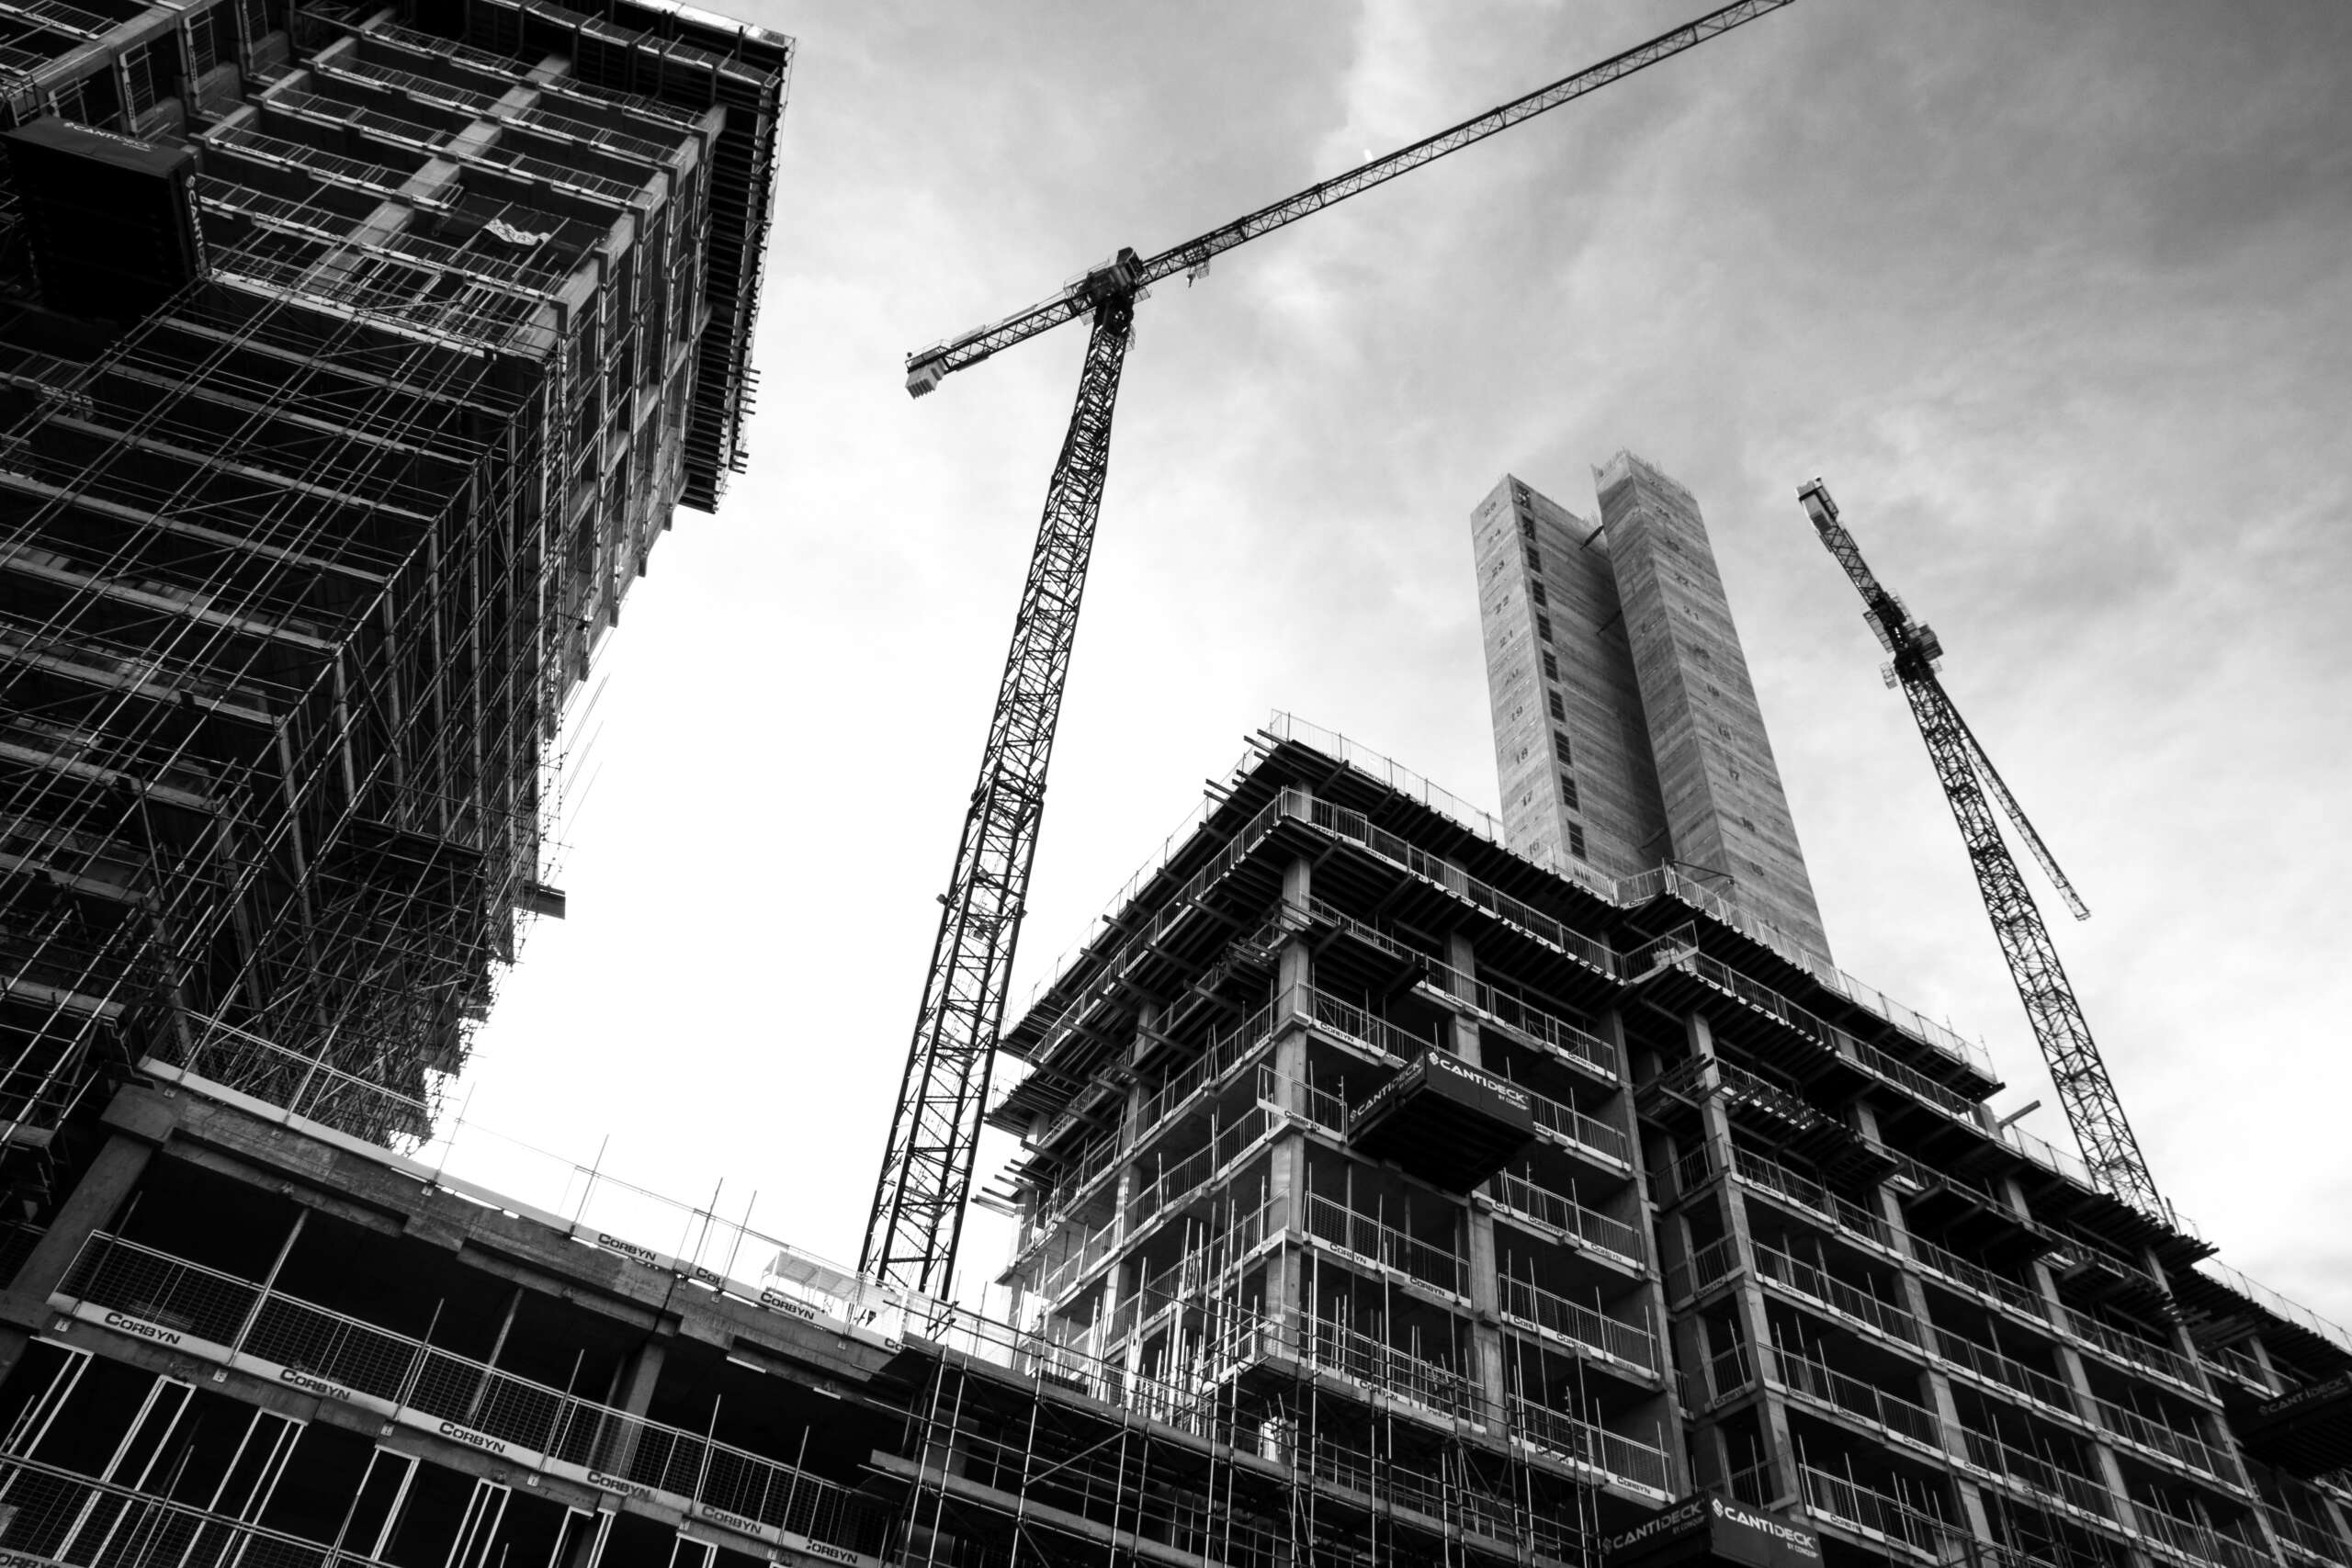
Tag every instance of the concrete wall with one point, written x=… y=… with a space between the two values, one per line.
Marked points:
x=1720 y=787
x=1528 y=547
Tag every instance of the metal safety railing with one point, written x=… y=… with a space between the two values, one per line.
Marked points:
x=339 y=1354
x=1719 y=1259
x=513 y=66
x=1843 y=1213
x=2194 y=1540
x=2116 y=1345
x=1517 y=1016
x=2017 y=1297
x=2041 y=1476
x=1534 y=1307
x=2318 y=1542
x=1588 y=1133
x=1373 y=1239
x=302 y=103
x=2015 y=1376
x=1850 y=1503
x=1725 y=1374
x=1632 y=890
x=1355 y=827
x=1359 y=1025
x=1222 y=1054
x=2278 y=1305
x=1178 y=903
x=1518 y=1195
x=1824 y=1385
x=1082 y=1254
x=1637 y=889
x=1371 y=1361
x=1172 y=1184
x=54 y=1516
x=2236 y=1361
x=2183 y=1447
x=1825 y=1289
x=1318 y=1108
x=1764 y=999
x=1628 y=1459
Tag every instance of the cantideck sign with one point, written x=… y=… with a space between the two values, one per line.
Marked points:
x=1471 y=1082
x=1707 y=1528
x=2318 y=1392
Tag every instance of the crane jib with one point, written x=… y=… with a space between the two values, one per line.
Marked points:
x=927 y=366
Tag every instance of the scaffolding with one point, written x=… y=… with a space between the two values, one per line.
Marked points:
x=302 y=566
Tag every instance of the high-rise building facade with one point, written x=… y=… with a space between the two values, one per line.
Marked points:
x=1502 y=1209
x=352 y=358
x=1386 y=1198
x=1627 y=732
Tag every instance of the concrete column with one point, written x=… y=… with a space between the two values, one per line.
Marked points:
x=638 y=1374
x=1485 y=1292
x=137 y=1122
x=1486 y=1326
x=1293 y=975
x=1690 y=1353
x=91 y=1206
x=1650 y=1294
x=1298 y=885
x=1459 y=954
x=2261 y=1354
x=1712 y=1456
x=1772 y=1413
x=2078 y=1381
x=1126 y=1271
x=633 y=1384
x=2339 y=1519
x=1125 y=1190
x=2184 y=1346
x=1935 y=1388
x=2211 y=1427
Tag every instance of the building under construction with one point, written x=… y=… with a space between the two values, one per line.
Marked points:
x=1385 y=1195
x=351 y=359
x=1386 y=1198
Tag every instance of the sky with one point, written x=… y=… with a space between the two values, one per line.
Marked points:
x=2057 y=299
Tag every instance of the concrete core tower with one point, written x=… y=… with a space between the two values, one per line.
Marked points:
x=1627 y=732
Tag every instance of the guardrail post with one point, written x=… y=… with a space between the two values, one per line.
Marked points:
x=270 y=1282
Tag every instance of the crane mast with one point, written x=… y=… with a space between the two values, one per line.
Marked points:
x=2076 y=1070
x=918 y=1215
x=916 y=1221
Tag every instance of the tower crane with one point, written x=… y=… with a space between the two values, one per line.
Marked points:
x=919 y=1200
x=1968 y=777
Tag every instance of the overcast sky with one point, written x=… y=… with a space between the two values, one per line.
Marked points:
x=2058 y=298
